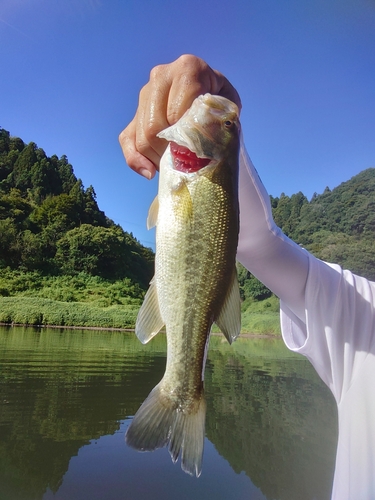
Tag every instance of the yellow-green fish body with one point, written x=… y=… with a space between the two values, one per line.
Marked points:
x=195 y=282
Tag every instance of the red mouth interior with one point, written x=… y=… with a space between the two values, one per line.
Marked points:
x=185 y=160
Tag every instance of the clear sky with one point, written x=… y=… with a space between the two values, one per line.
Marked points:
x=71 y=70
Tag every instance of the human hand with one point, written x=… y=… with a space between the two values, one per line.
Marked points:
x=162 y=101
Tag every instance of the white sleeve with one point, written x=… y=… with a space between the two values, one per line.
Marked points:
x=328 y=315
x=338 y=332
x=263 y=249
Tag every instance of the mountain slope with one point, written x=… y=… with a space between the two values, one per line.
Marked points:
x=336 y=226
x=51 y=224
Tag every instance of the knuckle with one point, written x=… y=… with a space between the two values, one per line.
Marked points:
x=125 y=137
x=131 y=161
x=142 y=146
x=150 y=130
x=143 y=93
x=122 y=137
x=195 y=74
x=190 y=61
x=157 y=72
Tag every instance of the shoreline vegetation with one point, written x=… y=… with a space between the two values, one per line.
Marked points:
x=65 y=264
x=258 y=318
x=31 y=298
x=103 y=329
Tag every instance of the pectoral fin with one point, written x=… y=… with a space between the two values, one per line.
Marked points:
x=229 y=319
x=183 y=201
x=149 y=320
x=153 y=212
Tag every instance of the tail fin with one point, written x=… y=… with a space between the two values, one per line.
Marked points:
x=159 y=421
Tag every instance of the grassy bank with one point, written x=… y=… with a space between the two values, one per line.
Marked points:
x=87 y=301
x=39 y=311
x=261 y=316
x=257 y=317
x=80 y=300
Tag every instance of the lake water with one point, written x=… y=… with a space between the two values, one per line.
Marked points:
x=68 y=396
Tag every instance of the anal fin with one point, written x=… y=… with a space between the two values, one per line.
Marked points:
x=229 y=319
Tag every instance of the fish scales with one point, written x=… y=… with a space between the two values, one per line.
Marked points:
x=195 y=282
x=202 y=248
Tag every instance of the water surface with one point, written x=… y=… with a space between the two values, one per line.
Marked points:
x=68 y=396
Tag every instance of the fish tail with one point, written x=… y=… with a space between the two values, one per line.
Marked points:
x=159 y=422
x=187 y=438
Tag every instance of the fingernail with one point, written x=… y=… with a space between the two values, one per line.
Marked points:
x=146 y=173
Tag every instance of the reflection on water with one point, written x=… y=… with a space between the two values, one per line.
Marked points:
x=66 y=397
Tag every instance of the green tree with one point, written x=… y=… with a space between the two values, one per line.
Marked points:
x=45 y=180
x=93 y=250
x=101 y=251
x=250 y=286
x=287 y=210
x=8 y=243
x=31 y=252
x=91 y=213
x=14 y=206
x=4 y=141
x=65 y=170
x=60 y=211
x=21 y=174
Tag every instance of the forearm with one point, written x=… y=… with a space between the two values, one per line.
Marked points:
x=263 y=249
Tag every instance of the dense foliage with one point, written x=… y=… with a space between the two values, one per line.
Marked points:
x=51 y=224
x=55 y=242
x=337 y=226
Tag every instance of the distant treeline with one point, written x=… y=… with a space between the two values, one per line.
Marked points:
x=51 y=226
x=50 y=223
x=337 y=226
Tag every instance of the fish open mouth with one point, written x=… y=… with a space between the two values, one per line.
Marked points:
x=185 y=160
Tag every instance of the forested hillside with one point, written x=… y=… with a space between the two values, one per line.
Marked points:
x=51 y=224
x=57 y=246
x=336 y=226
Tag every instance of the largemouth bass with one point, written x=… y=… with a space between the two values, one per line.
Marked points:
x=195 y=284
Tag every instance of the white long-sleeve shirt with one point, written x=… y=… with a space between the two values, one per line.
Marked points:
x=328 y=315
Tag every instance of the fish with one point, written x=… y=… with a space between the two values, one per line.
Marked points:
x=196 y=214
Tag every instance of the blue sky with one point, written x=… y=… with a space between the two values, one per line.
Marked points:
x=71 y=71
